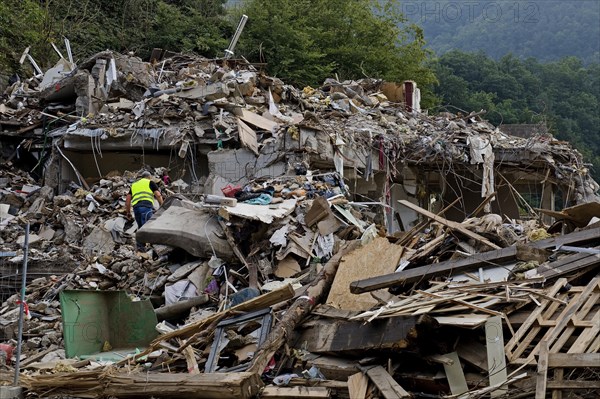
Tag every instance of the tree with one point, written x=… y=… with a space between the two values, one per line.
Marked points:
x=20 y=26
x=199 y=26
x=306 y=41
x=565 y=94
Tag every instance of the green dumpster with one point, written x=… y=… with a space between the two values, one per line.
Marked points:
x=105 y=325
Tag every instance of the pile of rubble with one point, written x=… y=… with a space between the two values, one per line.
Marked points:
x=330 y=242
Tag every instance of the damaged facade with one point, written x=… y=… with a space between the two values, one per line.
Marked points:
x=316 y=242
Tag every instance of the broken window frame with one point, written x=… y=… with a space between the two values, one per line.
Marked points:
x=266 y=317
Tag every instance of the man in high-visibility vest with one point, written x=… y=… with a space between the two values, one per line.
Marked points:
x=141 y=195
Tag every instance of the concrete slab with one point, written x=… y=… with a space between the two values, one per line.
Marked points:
x=194 y=230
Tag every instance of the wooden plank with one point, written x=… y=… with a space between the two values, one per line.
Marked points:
x=572 y=384
x=567 y=265
x=542 y=372
x=455 y=375
x=558 y=376
x=554 y=324
x=357 y=386
x=530 y=335
x=295 y=392
x=38 y=356
x=595 y=346
x=473 y=353
x=258 y=121
x=589 y=237
x=495 y=354
x=574 y=360
x=449 y=223
x=212 y=385
x=463 y=302
x=590 y=332
x=387 y=386
x=247 y=136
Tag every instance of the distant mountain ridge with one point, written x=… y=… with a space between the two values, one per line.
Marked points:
x=544 y=29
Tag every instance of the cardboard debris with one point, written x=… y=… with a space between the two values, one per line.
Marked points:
x=362 y=264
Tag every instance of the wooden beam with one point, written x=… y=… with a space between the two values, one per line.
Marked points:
x=568 y=264
x=574 y=360
x=349 y=336
x=295 y=392
x=572 y=384
x=423 y=273
x=172 y=385
x=93 y=384
x=388 y=387
x=542 y=372
x=449 y=223
x=426 y=272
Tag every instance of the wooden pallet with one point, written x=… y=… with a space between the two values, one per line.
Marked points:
x=560 y=362
x=568 y=322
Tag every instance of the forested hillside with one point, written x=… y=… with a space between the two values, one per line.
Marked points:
x=564 y=94
x=547 y=30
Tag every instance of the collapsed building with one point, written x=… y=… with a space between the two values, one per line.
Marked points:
x=272 y=190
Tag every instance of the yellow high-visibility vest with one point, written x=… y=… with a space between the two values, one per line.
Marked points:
x=140 y=191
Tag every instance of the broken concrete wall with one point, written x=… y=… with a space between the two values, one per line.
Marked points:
x=238 y=166
x=183 y=226
x=111 y=161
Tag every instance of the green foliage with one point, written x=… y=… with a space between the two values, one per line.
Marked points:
x=306 y=41
x=565 y=94
x=200 y=26
x=20 y=26
x=190 y=26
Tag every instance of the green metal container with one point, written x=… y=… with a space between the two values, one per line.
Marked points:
x=106 y=325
